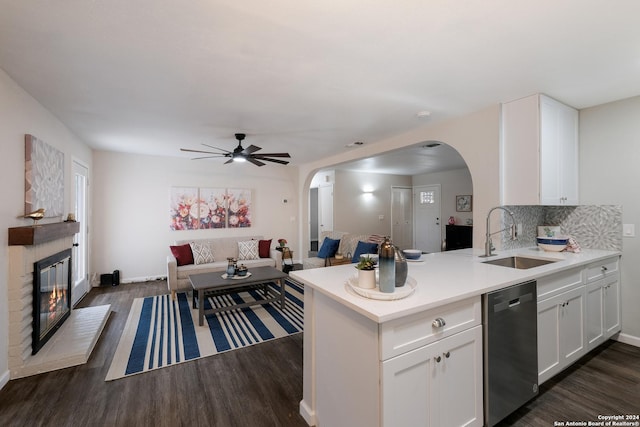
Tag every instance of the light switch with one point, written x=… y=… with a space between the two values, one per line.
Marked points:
x=380 y=217
x=628 y=230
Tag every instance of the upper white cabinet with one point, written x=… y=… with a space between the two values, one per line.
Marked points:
x=539 y=152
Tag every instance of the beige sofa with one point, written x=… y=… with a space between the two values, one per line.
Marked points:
x=222 y=248
x=348 y=243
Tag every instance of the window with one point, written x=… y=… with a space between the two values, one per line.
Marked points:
x=427 y=197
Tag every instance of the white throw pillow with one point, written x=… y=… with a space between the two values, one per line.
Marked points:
x=248 y=250
x=201 y=253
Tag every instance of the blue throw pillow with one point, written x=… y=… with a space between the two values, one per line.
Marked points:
x=364 y=248
x=329 y=248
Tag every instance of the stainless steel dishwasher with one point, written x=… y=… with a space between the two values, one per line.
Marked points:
x=510 y=350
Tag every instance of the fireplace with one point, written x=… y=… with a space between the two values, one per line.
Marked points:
x=51 y=296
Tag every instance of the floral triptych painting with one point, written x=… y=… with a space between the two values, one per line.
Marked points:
x=194 y=208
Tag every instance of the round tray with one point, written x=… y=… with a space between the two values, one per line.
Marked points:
x=399 y=293
x=235 y=276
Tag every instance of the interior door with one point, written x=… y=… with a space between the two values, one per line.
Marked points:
x=325 y=208
x=427 y=234
x=402 y=217
x=80 y=255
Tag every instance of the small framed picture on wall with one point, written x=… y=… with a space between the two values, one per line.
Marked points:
x=463 y=203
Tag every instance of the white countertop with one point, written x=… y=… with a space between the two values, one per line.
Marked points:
x=442 y=278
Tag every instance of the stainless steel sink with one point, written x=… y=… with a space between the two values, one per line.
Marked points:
x=519 y=262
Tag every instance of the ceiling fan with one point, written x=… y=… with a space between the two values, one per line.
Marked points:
x=240 y=154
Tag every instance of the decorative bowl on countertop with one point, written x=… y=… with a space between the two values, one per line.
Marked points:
x=552 y=244
x=412 y=253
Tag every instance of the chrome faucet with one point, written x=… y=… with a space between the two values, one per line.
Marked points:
x=488 y=246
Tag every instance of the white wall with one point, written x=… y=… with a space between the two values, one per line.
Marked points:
x=609 y=171
x=452 y=183
x=131 y=207
x=357 y=212
x=21 y=114
x=475 y=136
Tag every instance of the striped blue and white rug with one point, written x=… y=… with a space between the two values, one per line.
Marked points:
x=161 y=332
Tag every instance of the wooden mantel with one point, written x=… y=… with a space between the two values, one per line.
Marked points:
x=36 y=234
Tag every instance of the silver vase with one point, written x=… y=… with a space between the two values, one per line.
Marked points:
x=401 y=268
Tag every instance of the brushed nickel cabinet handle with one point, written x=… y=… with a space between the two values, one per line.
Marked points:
x=438 y=323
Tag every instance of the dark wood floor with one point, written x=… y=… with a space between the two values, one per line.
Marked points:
x=262 y=385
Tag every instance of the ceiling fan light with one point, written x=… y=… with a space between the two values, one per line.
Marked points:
x=239 y=159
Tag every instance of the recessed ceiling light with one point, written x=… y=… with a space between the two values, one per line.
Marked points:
x=354 y=144
x=423 y=114
x=431 y=145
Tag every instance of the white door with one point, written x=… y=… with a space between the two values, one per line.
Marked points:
x=402 y=217
x=80 y=247
x=325 y=209
x=427 y=234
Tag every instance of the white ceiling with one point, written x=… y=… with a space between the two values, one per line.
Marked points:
x=151 y=76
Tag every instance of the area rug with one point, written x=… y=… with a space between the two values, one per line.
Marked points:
x=162 y=332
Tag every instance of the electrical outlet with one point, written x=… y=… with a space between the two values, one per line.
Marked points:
x=628 y=230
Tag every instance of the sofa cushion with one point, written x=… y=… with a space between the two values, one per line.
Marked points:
x=364 y=248
x=349 y=242
x=201 y=253
x=248 y=250
x=183 y=254
x=264 y=247
x=329 y=248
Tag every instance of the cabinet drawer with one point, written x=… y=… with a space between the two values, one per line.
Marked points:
x=602 y=269
x=558 y=283
x=414 y=331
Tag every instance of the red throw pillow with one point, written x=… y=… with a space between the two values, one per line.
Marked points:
x=264 y=247
x=183 y=254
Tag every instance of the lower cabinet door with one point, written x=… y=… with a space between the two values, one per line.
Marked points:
x=611 y=303
x=436 y=385
x=595 y=314
x=459 y=385
x=407 y=381
x=572 y=331
x=561 y=332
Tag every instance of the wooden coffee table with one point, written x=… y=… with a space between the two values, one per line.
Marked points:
x=206 y=284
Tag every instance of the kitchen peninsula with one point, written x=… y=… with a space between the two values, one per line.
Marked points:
x=418 y=360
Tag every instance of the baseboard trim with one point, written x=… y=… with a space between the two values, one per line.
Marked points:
x=143 y=279
x=4 y=379
x=137 y=280
x=627 y=339
x=306 y=412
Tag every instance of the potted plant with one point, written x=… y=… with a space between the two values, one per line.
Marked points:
x=366 y=273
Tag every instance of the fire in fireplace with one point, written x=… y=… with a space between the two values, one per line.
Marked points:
x=51 y=296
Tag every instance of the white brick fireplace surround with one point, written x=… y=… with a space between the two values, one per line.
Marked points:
x=72 y=344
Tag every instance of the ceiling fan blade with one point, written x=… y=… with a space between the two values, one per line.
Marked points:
x=282 y=162
x=198 y=151
x=217 y=148
x=251 y=149
x=209 y=157
x=229 y=161
x=255 y=162
x=272 y=155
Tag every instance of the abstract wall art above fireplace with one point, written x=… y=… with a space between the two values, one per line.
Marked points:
x=43 y=177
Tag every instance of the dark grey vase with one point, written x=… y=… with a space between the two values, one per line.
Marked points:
x=401 y=268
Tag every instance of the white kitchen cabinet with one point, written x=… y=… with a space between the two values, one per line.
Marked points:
x=539 y=152
x=603 y=301
x=561 y=332
x=439 y=384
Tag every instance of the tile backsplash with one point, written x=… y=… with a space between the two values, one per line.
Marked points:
x=593 y=226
